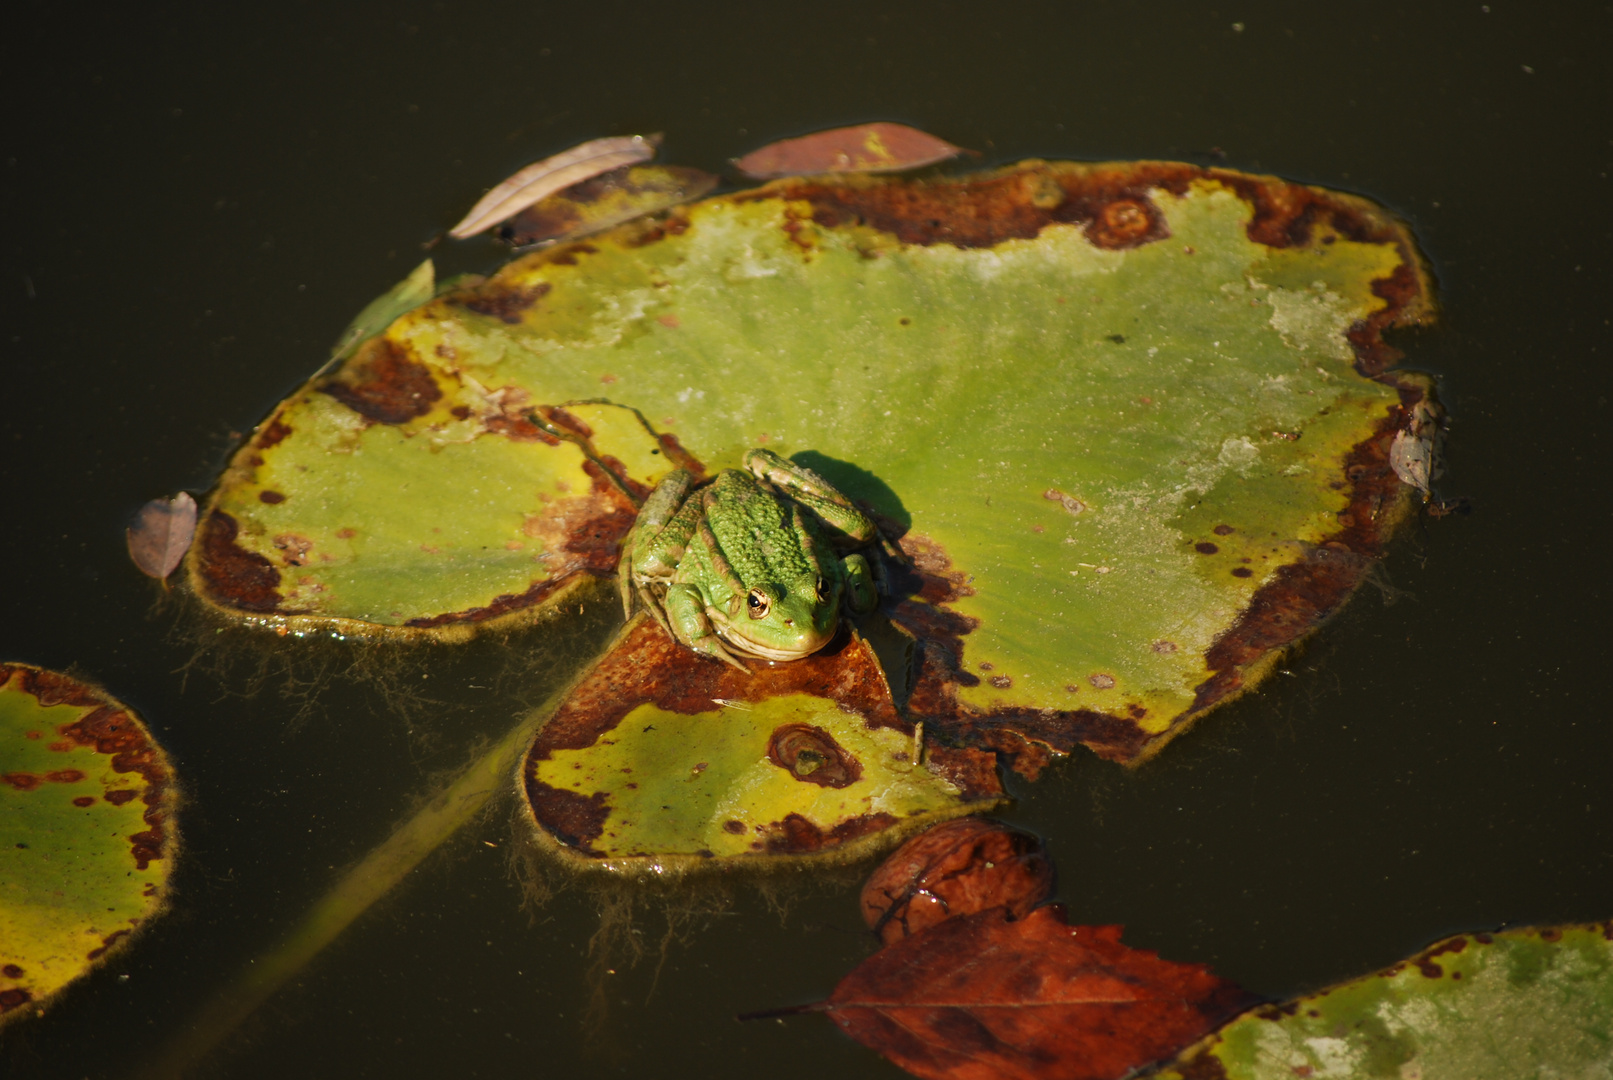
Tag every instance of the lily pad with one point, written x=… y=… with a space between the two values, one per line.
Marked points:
x=661 y=759
x=1131 y=421
x=1520 y=1003
x=87 y=799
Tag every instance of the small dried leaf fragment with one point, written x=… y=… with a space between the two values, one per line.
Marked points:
x=879 y=147
x=543 y=178
x=1414 y=455
x=983 y=998
x=161 y=534
x=956 y=868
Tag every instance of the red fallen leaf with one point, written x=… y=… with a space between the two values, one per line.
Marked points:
x=880 y=147
x=981 y=998
x=956 y=868
x=161 y=534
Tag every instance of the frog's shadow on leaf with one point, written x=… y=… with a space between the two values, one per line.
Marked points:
x=863 y=486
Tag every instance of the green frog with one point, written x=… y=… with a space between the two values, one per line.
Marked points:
x=758 y=562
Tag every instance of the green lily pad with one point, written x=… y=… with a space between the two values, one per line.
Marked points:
x=661 y=759
x=1521 y=1003
x=1131 y=421
x=86 y=797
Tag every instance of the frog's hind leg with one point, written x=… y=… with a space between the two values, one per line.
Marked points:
x=689 y=624
x=641 y=554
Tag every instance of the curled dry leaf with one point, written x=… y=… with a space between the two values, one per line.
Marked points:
x=980 y=997
x=956 y=868
x=1414 y=454
x=880 y=147
x=161 y=534
x=548 y=176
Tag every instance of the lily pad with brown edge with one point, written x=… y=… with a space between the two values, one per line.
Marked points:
x=86 y=807
x=1132 y=421
x=661 y=760
x=605 y=200
x=1533 y=1002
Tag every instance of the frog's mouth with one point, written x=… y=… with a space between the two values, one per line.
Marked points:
x=764 y=652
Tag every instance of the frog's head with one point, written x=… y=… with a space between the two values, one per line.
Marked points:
x=781 y=621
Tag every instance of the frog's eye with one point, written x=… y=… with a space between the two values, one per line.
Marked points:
x=758 y=602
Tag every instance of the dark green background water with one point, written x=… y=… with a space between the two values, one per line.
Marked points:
x=195 y=201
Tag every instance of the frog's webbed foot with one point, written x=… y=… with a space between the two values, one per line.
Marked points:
x=652 y=604
x=864 y=584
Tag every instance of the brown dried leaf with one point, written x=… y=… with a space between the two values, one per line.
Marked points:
x=161 y=534
x=956 y=868
x=983 y=998
x=880 y=147
x=544 y=178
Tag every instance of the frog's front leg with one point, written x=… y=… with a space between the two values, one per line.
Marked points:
x=686 y=614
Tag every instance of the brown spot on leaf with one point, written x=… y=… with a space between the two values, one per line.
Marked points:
x=232 y=575
x=14 y=998
x=811 y=754
x=1242 y=571
x=1001 y=682
x=120 y=796
x=384 y=383
x=1164 y=646
x=270 y=497
x=797 y=835
x=64 y=776
x=734 y=826
x=1223 y=530
x=21 y=781
x=273 y=434
x=84 y=800
x=502 y=301
x=1204 y=547
x=574 y=819
x=1101 y=681
x=11 y=971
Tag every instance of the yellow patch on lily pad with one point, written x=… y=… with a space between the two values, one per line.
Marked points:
x=87 y=800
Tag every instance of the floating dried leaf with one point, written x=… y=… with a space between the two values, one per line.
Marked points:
x=956 y=868
x=1414 y=454
x=544 y=178
x=880 y=147
x=984 y=998
x=161 y=534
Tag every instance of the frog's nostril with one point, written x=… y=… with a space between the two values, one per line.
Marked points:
x=789 y=622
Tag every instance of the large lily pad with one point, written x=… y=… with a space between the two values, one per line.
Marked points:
x=1523 y=1003
x=660 y=759
x=1132 y=421
x=86 y=800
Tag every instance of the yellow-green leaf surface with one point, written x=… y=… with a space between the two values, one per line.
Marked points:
x=1533 y=1003
x=86 y=810
x=661 y=759
x=1130 y=419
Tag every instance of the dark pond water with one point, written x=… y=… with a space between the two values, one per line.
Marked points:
x=195 y=202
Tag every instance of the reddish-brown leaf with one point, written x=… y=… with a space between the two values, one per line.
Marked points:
x=979 y=997
x=161 y=534
x=956 y=868
x=877 y=147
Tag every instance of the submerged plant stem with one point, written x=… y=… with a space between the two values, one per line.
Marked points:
x=362 y=886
